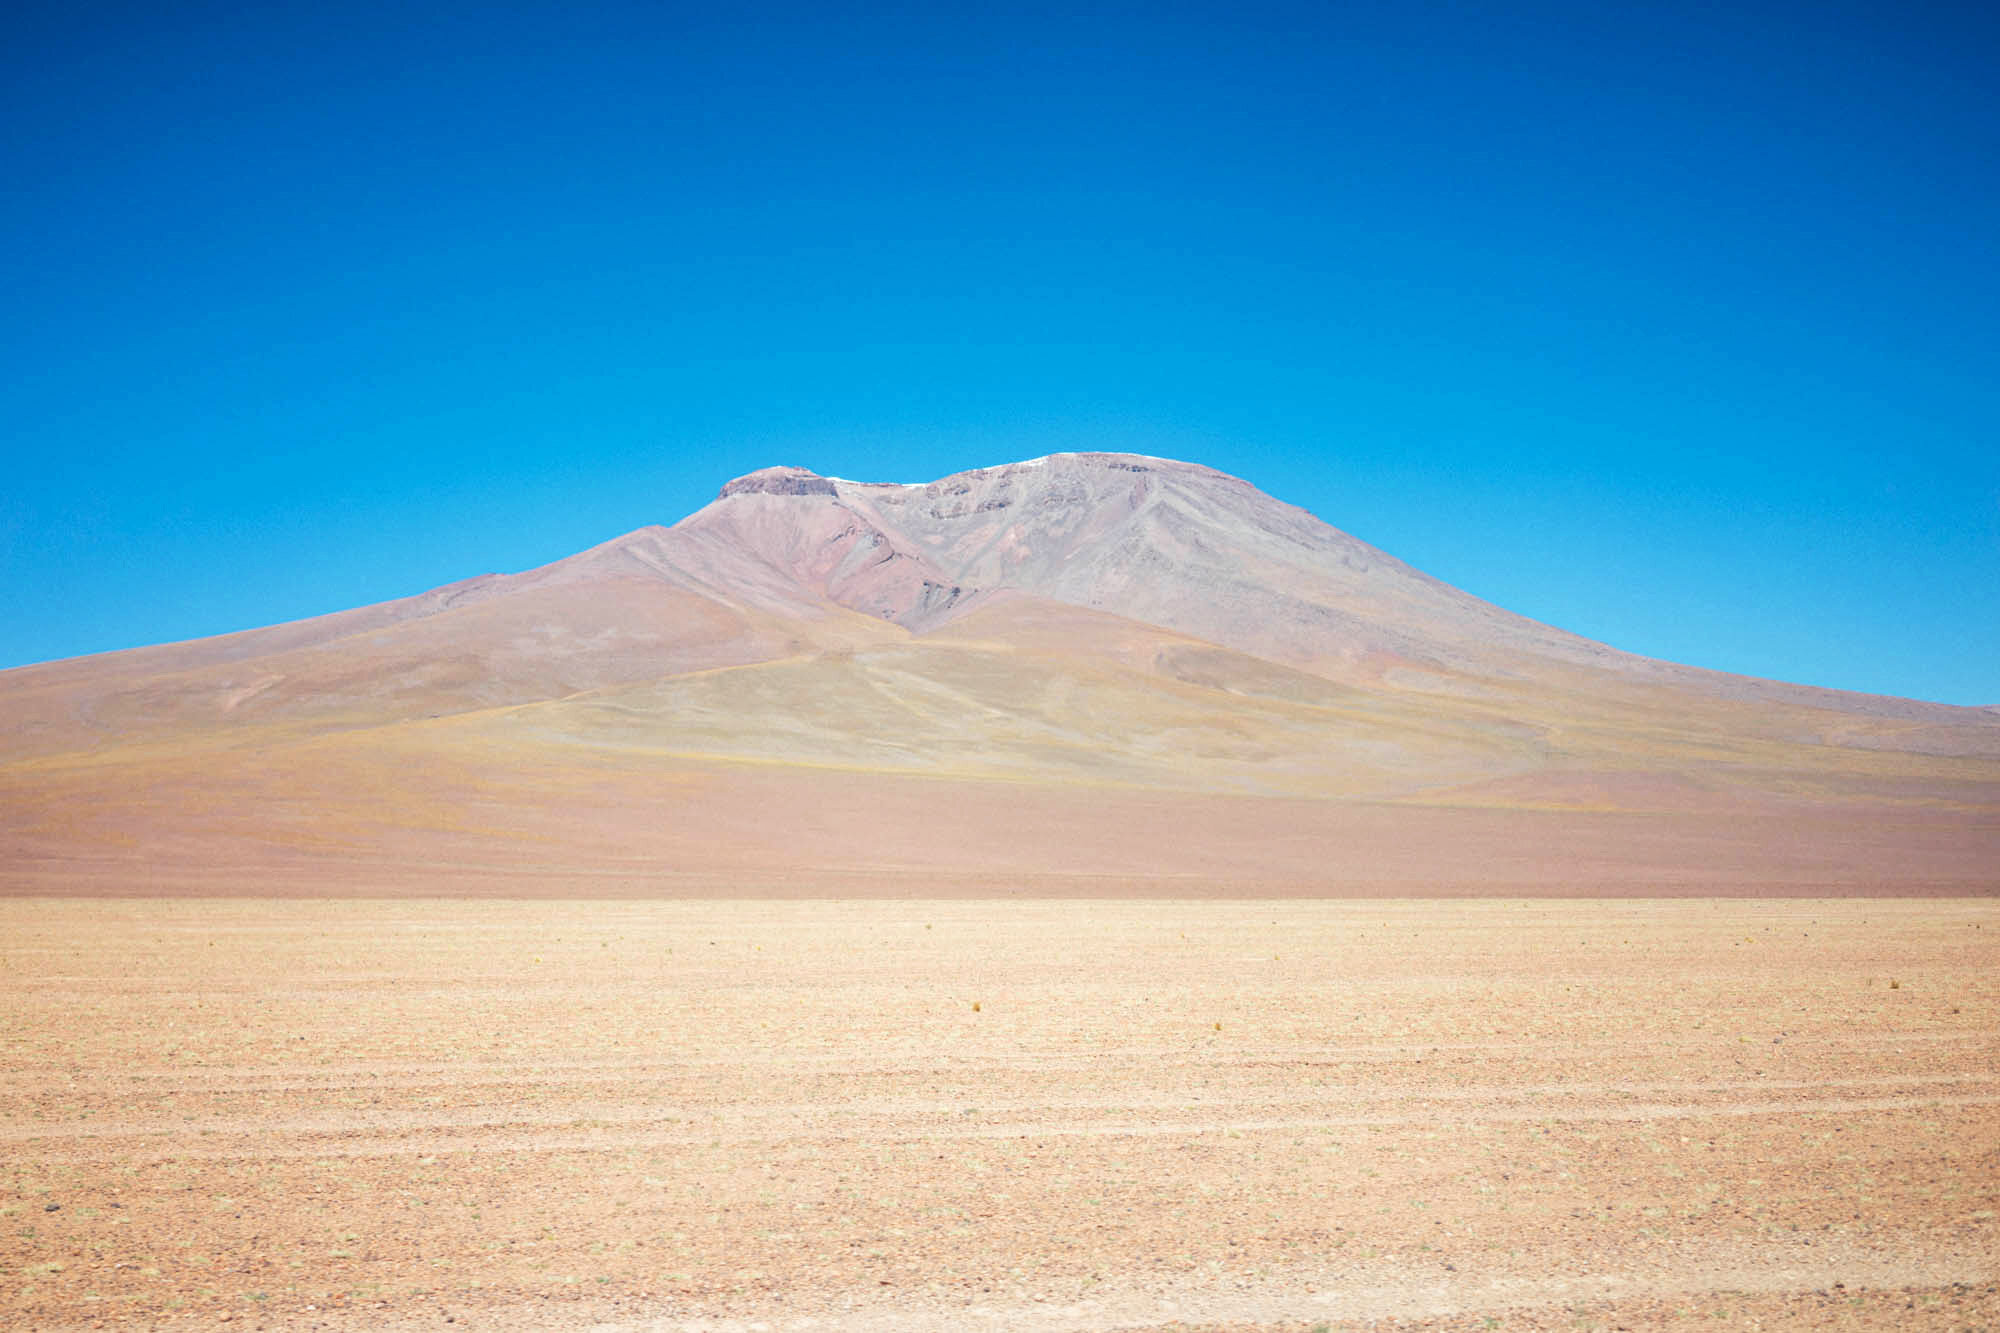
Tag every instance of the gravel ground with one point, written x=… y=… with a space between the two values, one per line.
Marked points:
x=1033 y=1115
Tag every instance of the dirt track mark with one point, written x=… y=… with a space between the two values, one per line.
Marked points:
x=1375 y=1292
x=544 y=1134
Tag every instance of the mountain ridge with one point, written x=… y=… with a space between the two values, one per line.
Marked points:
x=904 y=553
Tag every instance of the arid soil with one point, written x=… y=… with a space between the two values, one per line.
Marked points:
x=901 y=1115
x=375 y=816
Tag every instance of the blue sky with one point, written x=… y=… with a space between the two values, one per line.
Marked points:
x=1670 y=325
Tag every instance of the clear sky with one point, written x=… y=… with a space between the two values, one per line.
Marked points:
x=1672 y=325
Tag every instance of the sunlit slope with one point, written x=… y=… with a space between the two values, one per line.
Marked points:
x=527 y=643
x=1035 y=691
x=974 y=711
x=499 y=803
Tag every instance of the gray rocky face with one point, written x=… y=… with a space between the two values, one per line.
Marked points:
x=1169 y=543
x=1180 y=546
x=778 y=481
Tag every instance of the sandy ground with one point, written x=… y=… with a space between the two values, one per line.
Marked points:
x=1028 y=1115
x=370 y=816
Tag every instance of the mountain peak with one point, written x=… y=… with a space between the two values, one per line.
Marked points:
x=804 y=481
x=778 y=481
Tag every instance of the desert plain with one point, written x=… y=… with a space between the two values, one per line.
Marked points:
x=1009 y=1114
x=1082 y=894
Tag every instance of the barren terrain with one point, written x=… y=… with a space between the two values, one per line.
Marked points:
x=899 y=1115
x=1085 y=893
x=1080 y=675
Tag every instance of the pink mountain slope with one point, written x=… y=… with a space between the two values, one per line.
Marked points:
x=1121 y=622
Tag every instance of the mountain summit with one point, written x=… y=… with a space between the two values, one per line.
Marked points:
x=1125 y=622
x=1169 y=543
x=1149 y=539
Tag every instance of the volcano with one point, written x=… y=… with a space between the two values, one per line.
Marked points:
x=1078 y=674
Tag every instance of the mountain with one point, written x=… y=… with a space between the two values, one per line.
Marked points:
x=919 y=673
